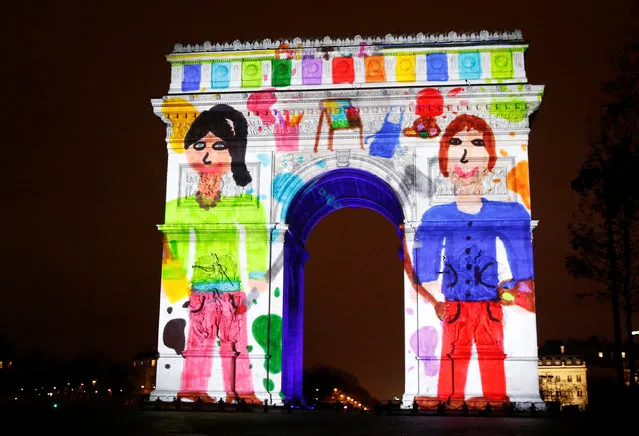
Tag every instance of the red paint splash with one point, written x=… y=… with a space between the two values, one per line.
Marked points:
x=430 y=103
x=453 y=92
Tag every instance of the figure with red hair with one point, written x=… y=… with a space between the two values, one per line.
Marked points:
x=467 y=276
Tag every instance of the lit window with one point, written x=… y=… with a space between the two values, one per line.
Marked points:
x=569 y=378
x=579 y=393
x=0 y=364
x=623 y=354
x=153 y=362
x=601 y=354
x=579 y=377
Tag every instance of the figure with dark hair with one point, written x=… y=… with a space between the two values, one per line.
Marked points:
x=207 y=247
x=466 y=232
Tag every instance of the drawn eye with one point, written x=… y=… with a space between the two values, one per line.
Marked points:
x=455 y=141
x=478 y=142
x=219 y=146
x=199 y=146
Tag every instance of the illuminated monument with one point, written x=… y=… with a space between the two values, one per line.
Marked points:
x=265 y=139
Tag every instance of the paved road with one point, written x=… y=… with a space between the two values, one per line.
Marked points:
x=187 y=423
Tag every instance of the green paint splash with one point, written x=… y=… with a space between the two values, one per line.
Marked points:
x=513 y=110
x=268 y=384
x=260 y=330
x=249 y=348
x=277 y=292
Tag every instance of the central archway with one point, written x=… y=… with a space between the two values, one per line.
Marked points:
x=326 y=193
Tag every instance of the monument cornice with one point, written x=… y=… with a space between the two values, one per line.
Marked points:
x=387 y=41
x=378 y=97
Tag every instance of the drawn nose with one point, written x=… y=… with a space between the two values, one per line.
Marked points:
x=463 y=158
x=206 y=160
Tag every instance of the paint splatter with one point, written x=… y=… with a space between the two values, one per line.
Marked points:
x=268 y=384
x=524 y=146
x=277 y=292
x=430 y=103
x=423 y=342
x=507 y=109
x=409 y=311
x=321 y=163
x=503 y=152
x=453 y=92
x=517 y=181
x=173 y=335
x=512 y=134
x=285 y=186
x=261 y=332
x=264 y=158
x=249 y=348
x=260 y=104
x=254 y=301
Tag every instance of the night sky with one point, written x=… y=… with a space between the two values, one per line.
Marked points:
x=83 y=171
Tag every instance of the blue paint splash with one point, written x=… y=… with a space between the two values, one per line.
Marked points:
x=264 y=158
x=285 y=186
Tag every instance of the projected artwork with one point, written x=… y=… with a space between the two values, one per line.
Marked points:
x=261 y=148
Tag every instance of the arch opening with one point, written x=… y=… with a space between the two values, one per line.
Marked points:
x=322 y=195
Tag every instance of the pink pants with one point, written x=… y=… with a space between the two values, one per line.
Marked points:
x=211 y=317
x=467 y=322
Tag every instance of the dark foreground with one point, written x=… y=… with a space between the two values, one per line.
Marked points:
x=278 y=422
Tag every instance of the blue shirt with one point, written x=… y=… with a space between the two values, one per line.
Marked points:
x=470 y=269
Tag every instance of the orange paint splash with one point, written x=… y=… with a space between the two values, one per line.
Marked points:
x=517 y=181
x=512 y=133
x=503 y=152
x=524 y=146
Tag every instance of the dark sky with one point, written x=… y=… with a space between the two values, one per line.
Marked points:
x=83 y=172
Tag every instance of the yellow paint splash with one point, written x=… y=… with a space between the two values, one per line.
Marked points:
x=181 y=114
x=524 y=147
x=517 y=181
x=175 y=290
x=503 y=152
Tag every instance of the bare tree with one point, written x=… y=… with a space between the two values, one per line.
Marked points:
x=605 y=233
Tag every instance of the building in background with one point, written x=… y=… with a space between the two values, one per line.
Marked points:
x=563 y=379
x=143 y=373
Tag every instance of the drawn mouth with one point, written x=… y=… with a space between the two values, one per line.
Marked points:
x=465 y=174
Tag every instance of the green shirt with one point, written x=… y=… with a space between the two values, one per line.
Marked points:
x=214 y=235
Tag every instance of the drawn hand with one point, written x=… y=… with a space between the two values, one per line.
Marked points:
x=440 y=310
x=259 y=284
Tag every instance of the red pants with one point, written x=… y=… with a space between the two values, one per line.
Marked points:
x=467 y=322
x=213 y=317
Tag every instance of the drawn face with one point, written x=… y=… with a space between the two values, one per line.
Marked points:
x=467 y=156
x=209 y=155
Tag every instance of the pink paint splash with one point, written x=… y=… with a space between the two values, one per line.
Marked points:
x=260 y=104
x=362 y=49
